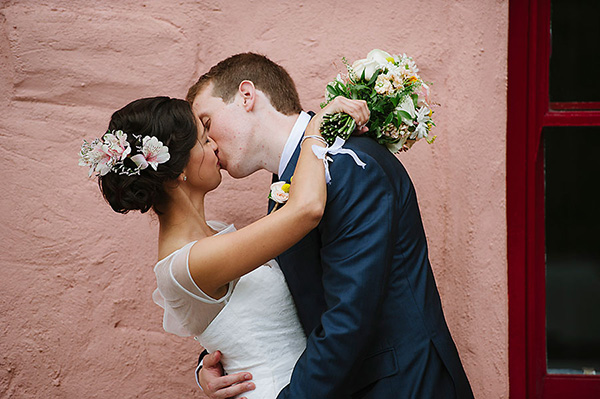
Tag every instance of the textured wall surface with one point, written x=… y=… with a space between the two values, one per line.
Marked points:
x=76 y=315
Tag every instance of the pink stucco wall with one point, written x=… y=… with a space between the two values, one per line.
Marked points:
x=76 y=317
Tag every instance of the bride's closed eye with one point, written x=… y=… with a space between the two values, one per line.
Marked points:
x=206 y=125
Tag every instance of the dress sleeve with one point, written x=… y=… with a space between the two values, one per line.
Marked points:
x=187 y=309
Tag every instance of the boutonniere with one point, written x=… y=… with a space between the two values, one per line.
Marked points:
x=280 y=193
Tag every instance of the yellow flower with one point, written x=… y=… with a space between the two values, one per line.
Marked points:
x=278 y=193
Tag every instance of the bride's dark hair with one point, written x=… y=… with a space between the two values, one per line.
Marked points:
x=172 y=122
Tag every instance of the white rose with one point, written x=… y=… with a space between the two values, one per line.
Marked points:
x=380 y=56
x=375 y=59
x=366 y=65
x=280 y=192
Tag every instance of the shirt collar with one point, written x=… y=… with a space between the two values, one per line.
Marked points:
x=293 y=140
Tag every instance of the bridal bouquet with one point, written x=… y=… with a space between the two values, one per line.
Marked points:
x=395 y=94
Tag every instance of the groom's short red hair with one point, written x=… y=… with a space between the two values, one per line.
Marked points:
x=267 y=76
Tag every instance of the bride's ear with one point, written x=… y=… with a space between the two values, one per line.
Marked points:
x=247 y=93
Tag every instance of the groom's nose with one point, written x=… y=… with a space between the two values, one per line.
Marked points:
x=215 y=147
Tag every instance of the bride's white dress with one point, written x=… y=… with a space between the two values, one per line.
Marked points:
x=254 y=325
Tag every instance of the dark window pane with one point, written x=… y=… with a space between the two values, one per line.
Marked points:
x=575 y=56
x=572 y=206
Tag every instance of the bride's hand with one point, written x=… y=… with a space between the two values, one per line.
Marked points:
x=357 y=109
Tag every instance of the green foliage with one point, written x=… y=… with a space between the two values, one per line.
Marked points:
x=388 y=123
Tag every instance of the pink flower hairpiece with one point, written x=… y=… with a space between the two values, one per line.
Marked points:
x=113 y=153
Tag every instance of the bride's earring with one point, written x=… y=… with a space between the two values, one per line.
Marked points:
x=184 y=178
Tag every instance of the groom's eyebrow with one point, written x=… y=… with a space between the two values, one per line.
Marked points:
x=199 y=115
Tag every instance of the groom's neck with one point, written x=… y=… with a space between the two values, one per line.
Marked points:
x=274 y=137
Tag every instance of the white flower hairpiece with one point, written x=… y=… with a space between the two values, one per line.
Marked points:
x=112 y=152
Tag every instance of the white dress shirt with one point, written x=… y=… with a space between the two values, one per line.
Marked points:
x=293 y=140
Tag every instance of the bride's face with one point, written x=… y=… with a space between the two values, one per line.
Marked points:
x=203 y=170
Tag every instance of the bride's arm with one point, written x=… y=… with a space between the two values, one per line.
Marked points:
x=217 y=260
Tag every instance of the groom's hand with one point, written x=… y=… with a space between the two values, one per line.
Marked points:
x=219 y=386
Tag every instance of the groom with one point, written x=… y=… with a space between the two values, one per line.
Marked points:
x=361 y=281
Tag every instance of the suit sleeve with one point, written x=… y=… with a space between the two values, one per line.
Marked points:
x=198 y=367
x=357 y=238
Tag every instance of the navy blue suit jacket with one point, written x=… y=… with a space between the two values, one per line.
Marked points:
x=365 y=291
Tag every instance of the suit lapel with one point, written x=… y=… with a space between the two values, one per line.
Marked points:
x=275 y=179
x=289 y=169
x=287 y=174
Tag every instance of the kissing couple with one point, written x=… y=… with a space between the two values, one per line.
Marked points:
x=331 y=295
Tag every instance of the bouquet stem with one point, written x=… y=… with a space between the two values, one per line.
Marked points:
x=337 y=125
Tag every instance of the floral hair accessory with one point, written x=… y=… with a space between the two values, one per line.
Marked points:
x=396 y=96
x=113 y=153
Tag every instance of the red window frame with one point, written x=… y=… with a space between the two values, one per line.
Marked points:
x=529 y=111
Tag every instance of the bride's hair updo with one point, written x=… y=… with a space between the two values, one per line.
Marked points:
x=172 y=122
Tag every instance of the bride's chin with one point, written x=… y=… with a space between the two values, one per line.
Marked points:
x=217 y=183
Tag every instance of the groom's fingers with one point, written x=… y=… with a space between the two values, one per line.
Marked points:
x=233 y=390
x=219 y=386
x=212 y=360
x=229 y=386
x=226 y=381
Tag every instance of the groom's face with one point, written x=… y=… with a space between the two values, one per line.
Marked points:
x=226 y=124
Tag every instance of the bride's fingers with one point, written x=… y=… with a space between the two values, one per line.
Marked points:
x=357 y=109
x=361 y=130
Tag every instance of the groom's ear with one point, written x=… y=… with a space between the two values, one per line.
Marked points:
x=247 y=93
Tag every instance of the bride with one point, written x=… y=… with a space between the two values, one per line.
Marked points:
x=215 y=283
